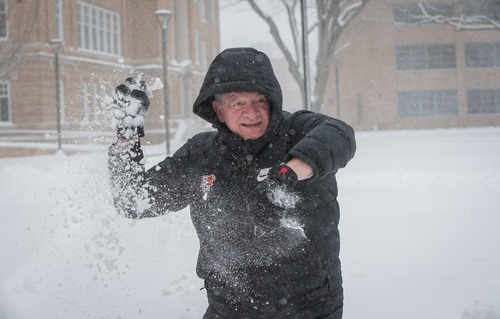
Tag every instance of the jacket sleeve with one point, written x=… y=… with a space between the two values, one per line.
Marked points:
x=325 y=143
x=138 y=193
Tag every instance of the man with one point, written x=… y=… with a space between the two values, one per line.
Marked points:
x=261 y=190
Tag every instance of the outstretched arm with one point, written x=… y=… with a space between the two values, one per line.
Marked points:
x=325 y=144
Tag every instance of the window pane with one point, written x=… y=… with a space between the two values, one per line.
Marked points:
x=425 y=57
x=4 y=102
x=441 y=56
x=4 y=109
x=428 y=103
x=484 y=101
x=489 y=8
x=3 y=19
x=410 y=57
x=99 y=29
x=480 y=55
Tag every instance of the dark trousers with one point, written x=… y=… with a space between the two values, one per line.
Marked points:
x=320 y=303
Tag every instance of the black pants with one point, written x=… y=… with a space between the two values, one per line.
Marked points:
x=321 y=303
x=211 y=314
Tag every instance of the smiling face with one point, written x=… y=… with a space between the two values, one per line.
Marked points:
x=245 y=114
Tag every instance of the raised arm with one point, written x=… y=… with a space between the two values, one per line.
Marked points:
x=138 y=193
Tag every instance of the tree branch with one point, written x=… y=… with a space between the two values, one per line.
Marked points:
x=293 y=65
x=461 y=23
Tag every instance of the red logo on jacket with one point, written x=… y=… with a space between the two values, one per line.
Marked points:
x=207 y=181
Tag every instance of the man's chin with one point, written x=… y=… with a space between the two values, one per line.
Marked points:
x=252 y=136
x=251 y=132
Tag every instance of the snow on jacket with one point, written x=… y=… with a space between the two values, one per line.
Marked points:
x=274 y=259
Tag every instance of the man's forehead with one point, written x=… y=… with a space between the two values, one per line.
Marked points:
x=234 y=95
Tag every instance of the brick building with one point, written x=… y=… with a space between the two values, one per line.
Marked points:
x=103 y=42
x=394 y=73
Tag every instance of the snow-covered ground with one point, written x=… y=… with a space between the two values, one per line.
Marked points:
x=420 y=235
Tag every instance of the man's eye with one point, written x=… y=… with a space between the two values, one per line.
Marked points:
x=263 y=102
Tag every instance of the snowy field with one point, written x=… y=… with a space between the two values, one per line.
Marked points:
x=420 y=235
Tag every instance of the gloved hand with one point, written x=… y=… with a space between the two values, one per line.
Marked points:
x=129 y=106
x=268 y=202
x=282 y=175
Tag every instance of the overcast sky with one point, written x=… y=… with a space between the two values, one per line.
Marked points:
x=240 y=26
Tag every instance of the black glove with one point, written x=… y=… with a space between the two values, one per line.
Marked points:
x=129 y=106
x=282 y=175
x=268 y=202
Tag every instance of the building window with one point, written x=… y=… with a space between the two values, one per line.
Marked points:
x=99 y=29
x=482 y=55
x=425 y=57
x=58 y=20
x=427 y=103
x=4 y=102
x=488 y=8
x=485 y=101
x=94 y=93
x=3 y=19
x=411 y=13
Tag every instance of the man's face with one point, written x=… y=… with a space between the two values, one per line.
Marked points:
x=246 y=114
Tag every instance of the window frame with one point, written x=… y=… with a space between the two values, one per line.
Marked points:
x=488 y=8
x=99 y=30
x=480 y=55
x=4 y=19
x=5 y=95
x=427 y=103
x=481 y=106
x=424 y=57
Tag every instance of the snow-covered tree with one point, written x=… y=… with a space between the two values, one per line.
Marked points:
x=326 y=19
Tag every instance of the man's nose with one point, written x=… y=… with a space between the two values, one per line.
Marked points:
x=252 y=109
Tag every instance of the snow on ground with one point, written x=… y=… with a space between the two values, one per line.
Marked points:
x=420 y=231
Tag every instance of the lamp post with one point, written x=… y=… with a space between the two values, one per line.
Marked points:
x=305 y=55
x=57 y=44
x=162 y=16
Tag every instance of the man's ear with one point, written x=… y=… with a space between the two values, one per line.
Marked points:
x=218 y=111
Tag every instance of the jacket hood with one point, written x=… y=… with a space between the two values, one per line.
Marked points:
x=238 y=70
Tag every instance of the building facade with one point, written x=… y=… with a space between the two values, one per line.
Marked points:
x=395 y=72
x=102 y=43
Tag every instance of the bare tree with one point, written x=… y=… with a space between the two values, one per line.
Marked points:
x=327 y=18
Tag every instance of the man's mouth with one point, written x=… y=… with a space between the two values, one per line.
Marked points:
x=251 y=125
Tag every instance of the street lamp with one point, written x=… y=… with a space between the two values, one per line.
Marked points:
x=56 y=45
x=162 y=16
x=305 y=55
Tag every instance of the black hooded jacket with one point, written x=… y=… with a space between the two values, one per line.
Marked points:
x=278 y=259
